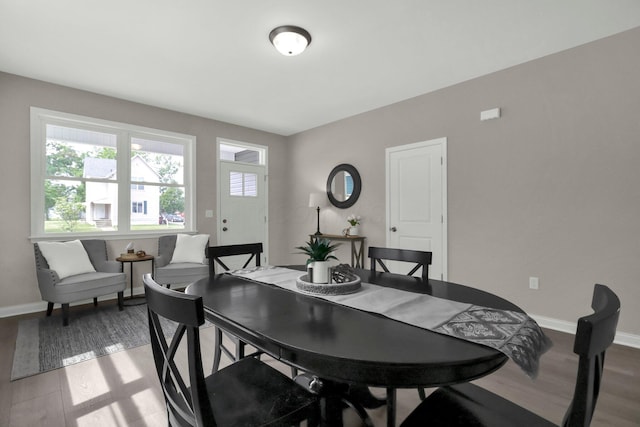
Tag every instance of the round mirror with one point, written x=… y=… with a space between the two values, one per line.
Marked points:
x=343 y=186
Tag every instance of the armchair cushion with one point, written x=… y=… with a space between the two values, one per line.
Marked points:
x=66 y=258
x=89 y=285
x=190 y=249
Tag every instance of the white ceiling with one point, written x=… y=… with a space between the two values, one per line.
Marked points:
x=212 y=58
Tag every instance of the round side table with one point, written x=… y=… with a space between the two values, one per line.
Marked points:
x=131 y=259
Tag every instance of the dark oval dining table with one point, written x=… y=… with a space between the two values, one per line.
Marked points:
x=347 y=345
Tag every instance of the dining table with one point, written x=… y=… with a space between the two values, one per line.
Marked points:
x=349 y=349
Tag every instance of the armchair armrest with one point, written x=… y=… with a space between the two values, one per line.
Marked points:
x=47 y=280
x=162 y=260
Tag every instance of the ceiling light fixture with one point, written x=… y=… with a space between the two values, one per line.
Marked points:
x=290 y=40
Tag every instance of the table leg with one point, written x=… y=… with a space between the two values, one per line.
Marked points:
x=357 y=254
x=134 y=300
x=353 y=254
x=131 y=280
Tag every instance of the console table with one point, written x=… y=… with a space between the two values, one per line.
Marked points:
x=357 y=246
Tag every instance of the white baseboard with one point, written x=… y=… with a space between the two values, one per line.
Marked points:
x=35 y=307
x=621 y=338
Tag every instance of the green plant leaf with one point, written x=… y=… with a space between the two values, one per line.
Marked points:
x=319 y=249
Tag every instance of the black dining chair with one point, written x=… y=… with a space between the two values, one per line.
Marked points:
x=422 y=259
x=470 y=405
x=246 y=393
x=215 y=255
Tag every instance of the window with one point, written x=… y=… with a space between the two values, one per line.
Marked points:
x=243 y=184
x=82 y=169
x=139 y=207
x=237 y=153
x=137 y=186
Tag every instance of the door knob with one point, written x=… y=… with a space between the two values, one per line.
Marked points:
x=224 y=228
x=393 y=229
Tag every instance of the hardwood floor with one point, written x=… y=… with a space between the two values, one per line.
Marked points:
x=122 y=389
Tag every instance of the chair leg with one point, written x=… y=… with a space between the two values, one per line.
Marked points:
x=391 y=407
x=239 y=350
x=49 y=308
x=218 y=351
x=121 y=300
x=65 y=314
x=95 y=302
x=422 y=394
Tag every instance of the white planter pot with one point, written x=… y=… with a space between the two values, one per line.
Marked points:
x=319 y=272
x=353 y=231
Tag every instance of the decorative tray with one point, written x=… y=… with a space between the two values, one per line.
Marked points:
x=351 y=285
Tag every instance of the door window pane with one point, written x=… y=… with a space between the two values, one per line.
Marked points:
x=243 y=184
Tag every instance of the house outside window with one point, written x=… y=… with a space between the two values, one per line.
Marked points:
x=83 y=168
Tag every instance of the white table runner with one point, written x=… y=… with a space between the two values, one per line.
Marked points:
x=513 y=333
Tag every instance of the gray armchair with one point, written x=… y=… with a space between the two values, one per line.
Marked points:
x=107 y=279
x=178 y=273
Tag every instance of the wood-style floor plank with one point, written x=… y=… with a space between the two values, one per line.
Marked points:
x=122 y=390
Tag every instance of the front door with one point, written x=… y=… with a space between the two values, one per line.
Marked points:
x=416 y=201
x=243 y=206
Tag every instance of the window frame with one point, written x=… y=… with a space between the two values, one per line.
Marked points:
x=124 y=133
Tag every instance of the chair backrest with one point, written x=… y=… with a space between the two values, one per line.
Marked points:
x=41 y=261
x=186 y=405
x=594 y=335
x=166 y=246
x=421 y=258
x=254 y=250
x=97 y=252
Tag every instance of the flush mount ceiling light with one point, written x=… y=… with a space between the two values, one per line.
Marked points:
x=290 y=40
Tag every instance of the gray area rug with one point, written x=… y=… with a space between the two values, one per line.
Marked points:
x=44 y=344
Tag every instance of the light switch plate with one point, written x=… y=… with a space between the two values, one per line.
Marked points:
x=534 y=283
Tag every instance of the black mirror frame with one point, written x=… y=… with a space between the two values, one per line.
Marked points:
x=357 y=186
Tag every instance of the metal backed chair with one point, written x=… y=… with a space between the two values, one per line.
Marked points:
x=215 y=253
x=422 y=259
x=470 y=405
x=246 y=393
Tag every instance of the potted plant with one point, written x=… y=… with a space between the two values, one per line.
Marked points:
x=320 y=251
x=354 y=221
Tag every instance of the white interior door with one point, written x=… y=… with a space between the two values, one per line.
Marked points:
x=416 y=202
x=243 y=206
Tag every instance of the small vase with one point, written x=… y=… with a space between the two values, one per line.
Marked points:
x=353 y=230
x=319 y=272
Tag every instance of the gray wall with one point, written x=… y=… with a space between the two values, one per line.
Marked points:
x=18 y=284
x=551 y=189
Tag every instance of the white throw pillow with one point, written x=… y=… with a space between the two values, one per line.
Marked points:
x=190 y=249
x=66 y=258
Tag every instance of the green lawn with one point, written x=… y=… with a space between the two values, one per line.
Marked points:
x=83 y=227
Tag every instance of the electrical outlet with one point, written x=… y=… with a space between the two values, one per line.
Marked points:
x=534 y=283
